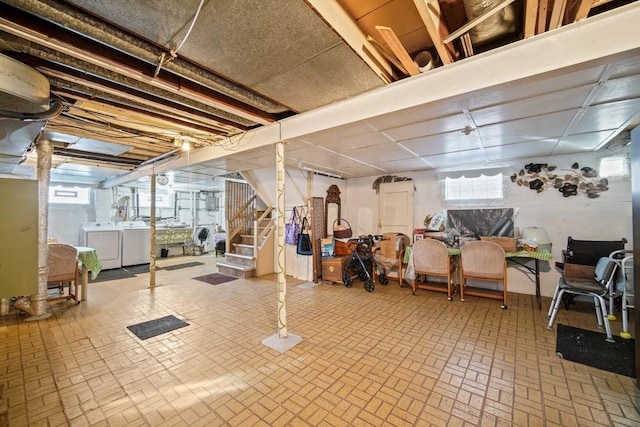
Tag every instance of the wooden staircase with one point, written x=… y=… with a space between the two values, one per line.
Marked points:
x=244 y=257
x=250 y=236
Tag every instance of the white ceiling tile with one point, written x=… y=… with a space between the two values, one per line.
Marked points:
x=405 y=165
x=443 y=143
x=422 y=113
x=391 y=151
x=627 y=66
x=523 y=130
x=582 y=142
x=540 y=148
x=431 y=127
x=607 y=116
x=457 y=158
x=339 y=133
x=549 y=83
x=619 y=89
x=532 y=106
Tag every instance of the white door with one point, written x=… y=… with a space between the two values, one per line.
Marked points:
x=395 y=207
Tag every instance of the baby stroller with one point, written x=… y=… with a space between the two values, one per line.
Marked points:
x=362 y=265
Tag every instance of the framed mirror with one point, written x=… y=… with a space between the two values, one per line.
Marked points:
x=332 y=208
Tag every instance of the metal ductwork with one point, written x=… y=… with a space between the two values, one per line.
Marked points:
x=497 y=25
x=24 y=94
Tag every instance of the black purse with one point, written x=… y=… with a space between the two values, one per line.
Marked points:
x=304 y=241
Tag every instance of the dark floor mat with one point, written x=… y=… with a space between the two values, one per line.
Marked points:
x=215 y=278
x=113 y=274
x=179 y=266
x=139 y=269
x=156 y=327
x=590 y=348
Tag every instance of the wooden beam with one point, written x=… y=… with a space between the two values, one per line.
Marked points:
x=542 y=16
x=398 y=50
x=490 y=11
x=388 y=56
x=466 y=45
x=429 y=11
x=530 y=17
x=557 y=13
x=348 y=29
x=582 y=9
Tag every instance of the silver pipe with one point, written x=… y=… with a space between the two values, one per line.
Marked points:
x=54 y=111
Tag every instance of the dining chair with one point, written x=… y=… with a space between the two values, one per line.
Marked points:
x=62 y=264
x=483 y=261
x=430 y=259
x=597 y=287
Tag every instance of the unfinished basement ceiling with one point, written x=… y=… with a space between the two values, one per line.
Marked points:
x=138 y=78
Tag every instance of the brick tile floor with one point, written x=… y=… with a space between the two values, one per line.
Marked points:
x=386 y=358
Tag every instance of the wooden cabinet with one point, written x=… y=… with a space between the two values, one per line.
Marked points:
x=332 y=268
x=19 y=237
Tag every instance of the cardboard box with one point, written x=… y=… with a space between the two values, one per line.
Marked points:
x=392 y=244
x=327 y=247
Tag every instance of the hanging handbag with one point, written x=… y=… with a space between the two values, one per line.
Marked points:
x=304 y=241
x=292 y=228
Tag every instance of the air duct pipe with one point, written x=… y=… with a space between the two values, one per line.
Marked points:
x=495 y=26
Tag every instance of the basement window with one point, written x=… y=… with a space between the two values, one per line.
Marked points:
x=162 y=200
x=69 y=195
x=614 y=167
x=477 y=188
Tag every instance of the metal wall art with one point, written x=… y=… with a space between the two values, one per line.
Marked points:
x=387 y=178
x=569 y=182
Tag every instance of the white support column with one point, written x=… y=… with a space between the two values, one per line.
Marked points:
x=152 y=235
x=283 y=340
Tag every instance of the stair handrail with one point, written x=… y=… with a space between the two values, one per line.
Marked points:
x=259 y=236
x=240 y=213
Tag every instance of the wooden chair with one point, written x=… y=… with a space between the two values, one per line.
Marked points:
x=430 y=258
x=63 y=270
x=388 y=253
x=485 y=261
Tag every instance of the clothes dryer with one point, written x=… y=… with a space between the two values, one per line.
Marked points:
x=136 y=242
x=106 y=239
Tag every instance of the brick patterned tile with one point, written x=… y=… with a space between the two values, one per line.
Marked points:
x=385 y=358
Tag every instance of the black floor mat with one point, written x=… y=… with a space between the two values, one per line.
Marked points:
x=139 y=269
x=215 y=278
x=156 y=327
x=113 y=274
x=179 y=266
x=590 y=348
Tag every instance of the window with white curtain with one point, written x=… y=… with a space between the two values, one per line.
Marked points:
x=474 y=188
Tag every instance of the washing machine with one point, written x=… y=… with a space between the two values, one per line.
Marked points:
x=135 y=242
x=106 y=239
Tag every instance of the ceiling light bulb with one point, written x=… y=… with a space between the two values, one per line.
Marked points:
x=186 y=146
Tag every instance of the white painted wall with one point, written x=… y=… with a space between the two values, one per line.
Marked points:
x=605 y=218
x=298 y=188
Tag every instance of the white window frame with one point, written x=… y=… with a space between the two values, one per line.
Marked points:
x=62 y=195
x=621 y=172
x=481 y=189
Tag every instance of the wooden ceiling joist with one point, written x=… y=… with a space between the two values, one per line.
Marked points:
x=431 y=15
x=530 y=17
x=398 y=50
